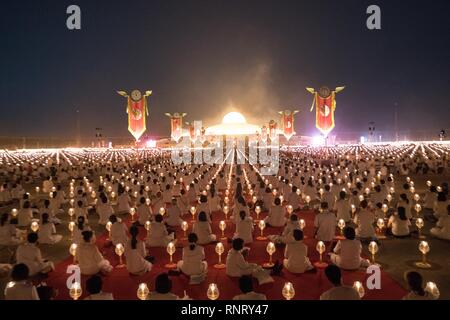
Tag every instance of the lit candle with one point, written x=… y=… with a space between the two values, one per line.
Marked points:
x=75 y=291
x=288 y=291
x=213 y=291
x=143 y=291
x=358 y=286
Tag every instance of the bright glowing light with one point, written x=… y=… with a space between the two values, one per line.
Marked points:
x=151 y=144
x=318 y=140
x=233 y=118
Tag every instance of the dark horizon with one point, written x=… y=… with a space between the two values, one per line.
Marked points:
x=206 y=57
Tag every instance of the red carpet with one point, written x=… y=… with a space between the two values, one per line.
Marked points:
x=307 y=286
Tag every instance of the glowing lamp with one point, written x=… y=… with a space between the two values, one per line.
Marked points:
x=222 y=227
x=213 y=292
x=219 y=250
x=288 y=291
x=262 y=226
x=258 y=211
x=226 y=209
x=75 y=291
x=302 y=224
x=419 y=225
x=143 y=291
x=171 y=250
x=193 y=210
x=270 y=248
x=184 y=227
x=34 y=226
x=373 y=249
x=71 y=213
x=289 y=209
x=424 y=248
x=320 y=247
x=162 y=211
x=341 y=226
x=119 y=250
x=380 y=225
x=73 y=251
x=432 y=288
x=417 y=208
x=71 y=226
x=358 y=286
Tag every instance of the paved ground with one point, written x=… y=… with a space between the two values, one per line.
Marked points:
x=395 y=255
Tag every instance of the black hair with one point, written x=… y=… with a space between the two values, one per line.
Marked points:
x=3 y=219
x=163 y=284
x=324 y=205
x=277 y=201
x=158 y=218
x=333 y=274
x=113 y=218
x=349 y=233
x=94 y=284
x=242 y=214
x=342 y=195
x=80 y=222
x=298 y=234
x=192 y=238
x=402 y=213
x=238 y=244
x=45 y=218
x=415 y=282
x=87 y=235
x=20 y=272
x=32 y=237
x=246 y=284
x=134 y=231
x=202 y=216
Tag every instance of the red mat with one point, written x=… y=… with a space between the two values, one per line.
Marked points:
x=307 y=286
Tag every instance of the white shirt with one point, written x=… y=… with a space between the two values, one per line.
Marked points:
x=244 y=229
x=326 y=224
x=203 y=231
x=399 y=227
x=340 y=293
x=236 y=265
x=364 y=219
x=250 y=296
x=296 y=253
x=119 y=233
x=349 y=252
x=193 y=260
x=100 y=296
x=21 y=290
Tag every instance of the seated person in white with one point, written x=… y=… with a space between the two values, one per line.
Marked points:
x=296 y=254
x=136 y=254
x=339 y=291
x=173 y=215
x=325 y=222
x=123 y=201
x=294 y=199
x=104 y=210
x=203 y=229
x=328 y=197
x=78 y=230
x=364 y=219
x=276 y=215
x=440 y=206
x=347 y=253
x=118 y=231
x=144 y=212
x=342 y=207
x=30 y=254
x=237 y=266
x=193 y=261
x=47 y=231
x=246 y=287
x=25 y=215
x=158 y=235
x=244 y=228
x=89 y=258
x=9 y=235
x=399 y=223
x=163 y=286
x=20 y=288
x=204 y=206
x=81 y=211
x=442 y=229
x=416 y=289
x=239 y=206
x=94 y=287
x=404 y=202
x=214 y=201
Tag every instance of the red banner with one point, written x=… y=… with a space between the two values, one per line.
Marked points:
x=325 y=113
x=137 y=111
x=177 y=128
x=272 y=129
x=287 y=119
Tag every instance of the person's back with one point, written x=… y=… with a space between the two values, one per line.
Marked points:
x=365 y=219
x=296 y=253
x=193 y=260
x=349 y=252
x=203 y=231
x=250 y=296
x=326 y=226
x=244 y=229
x=400 y=227
x=88 y=257
x=100 y=296
x=340 y=293
x=21 y=290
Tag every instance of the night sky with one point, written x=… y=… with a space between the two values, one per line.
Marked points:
x=208 y=57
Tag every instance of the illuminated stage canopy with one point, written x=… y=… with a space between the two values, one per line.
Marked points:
x=233 y=124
